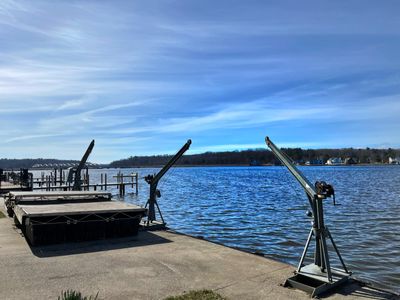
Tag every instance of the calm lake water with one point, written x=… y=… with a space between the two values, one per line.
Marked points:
x=264 y=209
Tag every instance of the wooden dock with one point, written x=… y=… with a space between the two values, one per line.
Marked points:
x=57 y=180
x=54 y=182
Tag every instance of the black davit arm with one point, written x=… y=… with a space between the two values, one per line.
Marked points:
x=288 y=162
x=171 y=162
x=81 y=165
x=153 y=180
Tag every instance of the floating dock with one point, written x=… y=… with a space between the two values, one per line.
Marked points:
x=60 y=217
x=24 y=198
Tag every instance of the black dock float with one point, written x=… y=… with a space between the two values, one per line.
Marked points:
x=50 y=217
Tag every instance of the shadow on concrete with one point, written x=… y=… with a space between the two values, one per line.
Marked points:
x=356 y=288
x=144 y=238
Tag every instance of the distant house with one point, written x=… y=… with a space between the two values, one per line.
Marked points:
x=334 y=161
x=394 y=161
x=349 y=161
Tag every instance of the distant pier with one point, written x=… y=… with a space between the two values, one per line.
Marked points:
x=56 y=180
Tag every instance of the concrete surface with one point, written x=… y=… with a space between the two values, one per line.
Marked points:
x=152 y=265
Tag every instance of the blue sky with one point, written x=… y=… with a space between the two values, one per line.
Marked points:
x=141 y=77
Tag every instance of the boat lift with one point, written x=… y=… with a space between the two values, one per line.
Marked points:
x=319 y=276
x=74 y=175
x=153 y=179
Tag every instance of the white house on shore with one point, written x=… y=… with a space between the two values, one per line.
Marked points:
x=394 y=161
x=334 y=161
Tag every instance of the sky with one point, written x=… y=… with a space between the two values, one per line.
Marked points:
x=142 y=77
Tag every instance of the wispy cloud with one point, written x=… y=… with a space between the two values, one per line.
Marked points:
x=30 y=137
x=244 y=115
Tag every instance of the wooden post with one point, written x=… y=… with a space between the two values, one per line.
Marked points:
x=101 y=181
x=121 y=189
x=137 y=183
x=105 y=181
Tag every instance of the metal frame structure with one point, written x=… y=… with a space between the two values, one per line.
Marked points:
x=153 y=180
x=74 y=174
x=319 y=276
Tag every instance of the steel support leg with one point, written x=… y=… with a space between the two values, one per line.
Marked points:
x=159 y=211
x=317 y=253
x=337 y=250
x=303 y=256
x=326 y=256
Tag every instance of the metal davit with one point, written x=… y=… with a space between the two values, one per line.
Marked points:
x=155 y=193
x=319 y=276
x=74 y=175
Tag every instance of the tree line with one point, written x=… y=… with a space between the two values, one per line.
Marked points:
x=263 y=156
x=245 y=157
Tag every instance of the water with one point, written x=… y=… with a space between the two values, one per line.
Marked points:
x=264 y=209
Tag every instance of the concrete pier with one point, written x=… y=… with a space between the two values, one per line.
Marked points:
x=152 y=265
